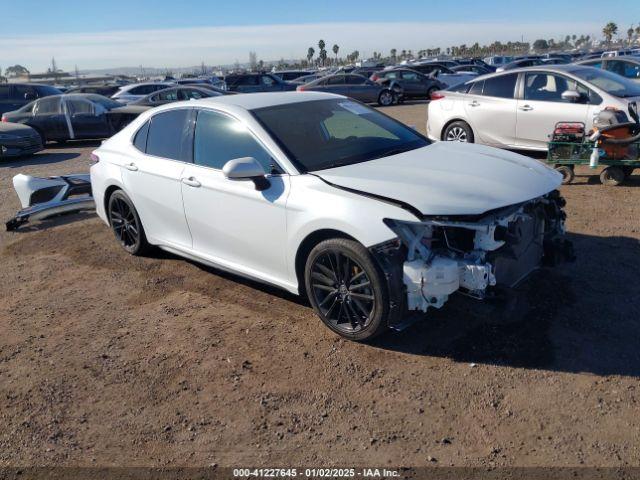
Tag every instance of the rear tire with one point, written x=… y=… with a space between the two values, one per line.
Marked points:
x=612 y=176
x=431 y=91
x=567 y=173
x=346 y=289
x=386 y=98
x=126 y=225
x=458 y=132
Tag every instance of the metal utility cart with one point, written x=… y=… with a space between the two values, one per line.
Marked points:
x=614 y=143
x=564 y=156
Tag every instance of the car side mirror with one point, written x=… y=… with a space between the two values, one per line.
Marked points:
x=571 y=96
x=29 y=96
x=246 y=168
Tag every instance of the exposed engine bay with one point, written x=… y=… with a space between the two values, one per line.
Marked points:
x=472 y=255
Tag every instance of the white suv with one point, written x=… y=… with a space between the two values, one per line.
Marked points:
x=323 y=196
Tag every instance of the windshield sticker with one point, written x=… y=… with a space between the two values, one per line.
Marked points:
x=354 y=107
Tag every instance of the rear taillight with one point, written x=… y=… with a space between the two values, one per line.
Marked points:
x=300 y=88
x=94 y=158
x=5 y=119
x=374 y=77
x=436 y=96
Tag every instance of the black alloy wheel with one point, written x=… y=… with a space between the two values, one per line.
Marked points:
x=125 y=223
x=345 y=289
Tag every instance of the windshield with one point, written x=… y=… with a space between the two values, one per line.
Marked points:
x=611 y=83
x=332 y=133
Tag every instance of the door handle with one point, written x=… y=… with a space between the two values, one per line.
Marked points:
x=474 y=104
x=131 y=166
x=191 y=181
x=526 y=108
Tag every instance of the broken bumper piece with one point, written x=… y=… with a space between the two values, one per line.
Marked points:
x=43 y=198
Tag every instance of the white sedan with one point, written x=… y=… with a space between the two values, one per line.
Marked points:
x=519 y=108
x=328 y=198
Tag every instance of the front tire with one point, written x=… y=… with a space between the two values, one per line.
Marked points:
x=126 y=225
x=458 y=132
x=346 y=289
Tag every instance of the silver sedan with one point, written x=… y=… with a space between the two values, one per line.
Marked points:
x=519 y=108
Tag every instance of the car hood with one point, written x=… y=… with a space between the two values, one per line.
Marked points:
x=448 y=178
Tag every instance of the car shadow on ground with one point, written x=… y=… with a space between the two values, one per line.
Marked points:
x=583 y=317
x=73 y=144
x=43 y=158
x=55 y=221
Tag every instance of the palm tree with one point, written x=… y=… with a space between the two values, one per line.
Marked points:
x=335 y=49
x=393 y=54
x=630 y=35
x=310 y=53
x=609 y=30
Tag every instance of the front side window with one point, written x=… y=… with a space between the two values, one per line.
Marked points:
x=248 y=80
x=476 y=88
x=410 y=76
x=545 y=87
x=502 y=86
x=169 y=95
x=267 y=80
x=337 y=80
x=356 y=80
x=77 y=107
x=325 y=134
x=170 y=135
x=23 y=92
x=626 y=69
x=220 y=138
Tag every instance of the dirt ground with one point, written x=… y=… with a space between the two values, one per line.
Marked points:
x=106 y=359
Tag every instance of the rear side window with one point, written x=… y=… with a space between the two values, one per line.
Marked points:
x=140 y=140
x=461 y=88
x=502 y=86
x=476 y=88
x=47 y=106
x=220 y=138
x=170 y=135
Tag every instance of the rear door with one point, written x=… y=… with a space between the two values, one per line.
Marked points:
x=152 y=175
x=491 y=106
x=542 y=106
x=87 y=119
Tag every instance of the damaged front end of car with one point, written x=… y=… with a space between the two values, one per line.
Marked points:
x=474 y=255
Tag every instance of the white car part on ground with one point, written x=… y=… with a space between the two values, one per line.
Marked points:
x=46 y=197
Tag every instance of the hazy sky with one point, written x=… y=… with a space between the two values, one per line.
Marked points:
x=163 y=33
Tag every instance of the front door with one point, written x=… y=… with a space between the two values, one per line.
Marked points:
x=542 y=106
x=229 y=219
